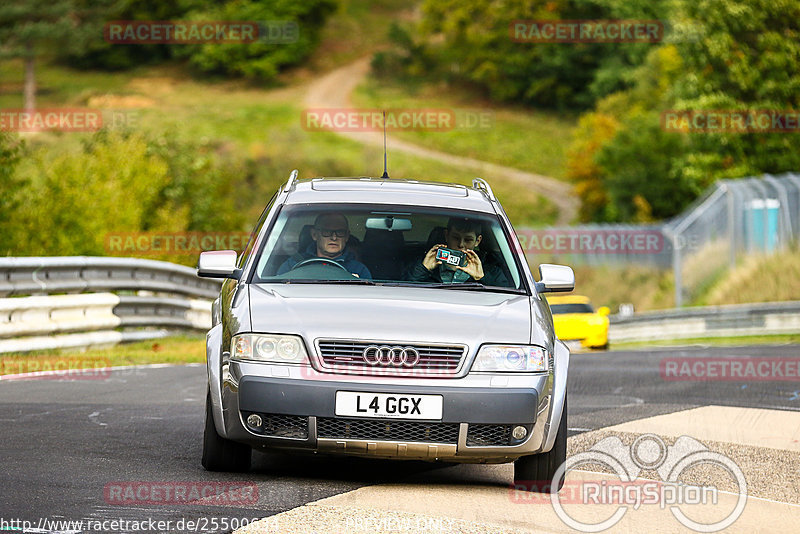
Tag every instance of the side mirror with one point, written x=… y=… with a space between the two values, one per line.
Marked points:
x=218 y=264
x=555 y=278
x=604 y=310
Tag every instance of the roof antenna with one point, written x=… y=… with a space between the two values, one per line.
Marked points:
x=385 y=171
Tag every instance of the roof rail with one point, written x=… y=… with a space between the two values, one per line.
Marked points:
x=291 y=183
x=482 y=185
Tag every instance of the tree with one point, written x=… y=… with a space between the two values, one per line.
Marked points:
x=261 y=60
x=29 y=26
x=743 y=55
x=469 y=41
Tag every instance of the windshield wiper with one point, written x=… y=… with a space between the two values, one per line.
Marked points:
x=356 y=281
x=474 y=286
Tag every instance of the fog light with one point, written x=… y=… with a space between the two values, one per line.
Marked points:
x=254 y=420
x=519 y=432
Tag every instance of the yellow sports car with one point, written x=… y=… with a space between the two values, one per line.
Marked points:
x=575 y=320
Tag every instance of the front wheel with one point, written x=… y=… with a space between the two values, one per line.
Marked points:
x=220 y=454
x=536 y=472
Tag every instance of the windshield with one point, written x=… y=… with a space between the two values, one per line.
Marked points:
x=571 y=308
x=403 y=245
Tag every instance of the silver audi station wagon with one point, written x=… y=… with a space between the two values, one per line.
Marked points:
x=385 y=318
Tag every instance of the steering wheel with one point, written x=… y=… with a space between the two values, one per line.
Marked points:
x=322 y=261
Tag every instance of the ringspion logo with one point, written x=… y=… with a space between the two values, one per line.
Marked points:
x=624 y=488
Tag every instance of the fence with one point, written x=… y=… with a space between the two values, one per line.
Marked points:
x=731 y=219
x=99 y=301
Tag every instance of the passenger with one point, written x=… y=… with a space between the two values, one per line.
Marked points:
x=329 y=234
x=464 y=235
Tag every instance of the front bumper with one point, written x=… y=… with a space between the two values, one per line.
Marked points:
x=298 y=407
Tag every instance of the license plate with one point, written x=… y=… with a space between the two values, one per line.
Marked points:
x=388 y=405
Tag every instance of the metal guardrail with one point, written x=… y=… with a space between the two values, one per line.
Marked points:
x=708 y=321
x=152 y=301
x=83 y=274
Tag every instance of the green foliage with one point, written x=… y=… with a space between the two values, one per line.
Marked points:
x=28 y=25
x=97 y=53
x=258 y=60
x=67 y=28
x=11 y=185
x=470 y=42
x=75 y=199
x=201 y=181
x=643 y=158
x=741 y=55
x=118 y=183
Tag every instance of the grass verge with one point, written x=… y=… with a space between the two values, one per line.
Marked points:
x=176 y=349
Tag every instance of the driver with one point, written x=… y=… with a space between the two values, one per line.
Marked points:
x=461 y=234
x=329 y=234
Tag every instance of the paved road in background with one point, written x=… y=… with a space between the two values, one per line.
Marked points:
x=63 y=441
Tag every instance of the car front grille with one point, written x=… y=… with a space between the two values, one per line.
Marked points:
x=348 y=355
x=480 y=435
x=281 y=426
x=488 y=435
x=387 y=430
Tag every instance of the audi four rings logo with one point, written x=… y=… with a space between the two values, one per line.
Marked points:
x=394 y=356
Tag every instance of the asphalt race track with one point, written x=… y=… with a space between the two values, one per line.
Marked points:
x=65 y=441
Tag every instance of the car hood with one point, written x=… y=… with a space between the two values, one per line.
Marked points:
x=394 y=314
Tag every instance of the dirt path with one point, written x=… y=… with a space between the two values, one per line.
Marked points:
x=333 y=91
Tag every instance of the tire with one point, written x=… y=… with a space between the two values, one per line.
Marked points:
x=220 y=454
x=535 y=473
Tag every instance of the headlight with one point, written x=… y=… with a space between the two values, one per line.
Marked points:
x=269 y=348
x=510 y=358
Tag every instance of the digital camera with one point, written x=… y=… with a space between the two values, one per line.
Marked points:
x=452 y=257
